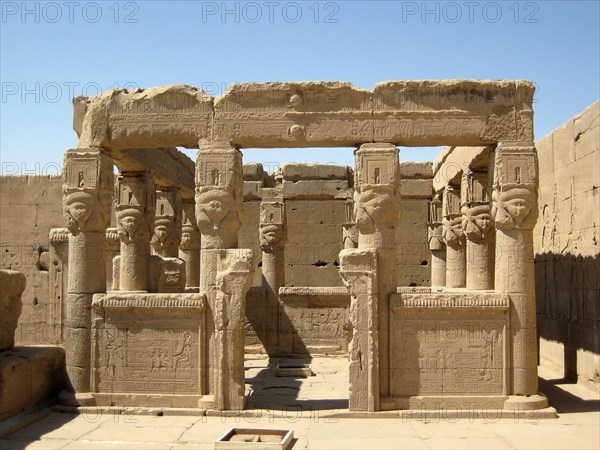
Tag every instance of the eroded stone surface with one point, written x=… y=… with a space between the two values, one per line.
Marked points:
x=13 y=285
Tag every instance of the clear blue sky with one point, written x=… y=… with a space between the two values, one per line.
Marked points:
x=53 y=50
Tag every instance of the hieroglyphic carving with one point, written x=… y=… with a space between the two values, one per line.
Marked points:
x=449 y=343
x=148 y=344
x=358 y=269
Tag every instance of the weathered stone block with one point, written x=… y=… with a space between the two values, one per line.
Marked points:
x=30 y=376
x=13 y=284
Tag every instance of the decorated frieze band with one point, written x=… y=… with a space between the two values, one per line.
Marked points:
x=293 y=114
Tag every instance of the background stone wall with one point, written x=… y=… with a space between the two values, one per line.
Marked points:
x=30 y=205
x=567 y=243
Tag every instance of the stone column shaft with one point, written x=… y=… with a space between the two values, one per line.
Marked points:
x=478 y=230
x=219 y=214
x=456 y=255
x=377 y=213
x=437 y=246
x=272 y=242
x=87 y=195
x=438 y=268
x=515 y=212
x=189 y=249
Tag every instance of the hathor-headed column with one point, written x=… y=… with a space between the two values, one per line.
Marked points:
x=219 y=204
x=272 y=242
x=167 y=223
x=515 y=212
x=478 y=229
x=87 y=198
x=225 y=271
x=135 y=197
x=189 y=248
x=377 y=213
x=436 y=242
x=456 y=255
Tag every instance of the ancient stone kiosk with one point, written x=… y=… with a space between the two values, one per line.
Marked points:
x=171 y=328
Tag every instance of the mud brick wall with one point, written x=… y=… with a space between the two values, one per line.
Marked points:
x=567 y=247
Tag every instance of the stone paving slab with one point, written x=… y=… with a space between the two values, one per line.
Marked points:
x=577 y=427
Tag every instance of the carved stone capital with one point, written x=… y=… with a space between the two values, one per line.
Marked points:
x=376 y=188
x=272 y=226
x=219 y=195
x=435 y=236
x=135 y=197
x=87 y=190
x=514 y=199
x=452 y=220
x=477 y=223
x=167 y=223
x=190 y=235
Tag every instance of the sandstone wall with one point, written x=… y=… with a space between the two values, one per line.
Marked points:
x=567 y=242
x=414 y=257
x=30 y=206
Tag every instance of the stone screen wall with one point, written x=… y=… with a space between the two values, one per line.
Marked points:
x=567 y=243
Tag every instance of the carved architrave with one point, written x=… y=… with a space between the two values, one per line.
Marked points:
x=358 y=269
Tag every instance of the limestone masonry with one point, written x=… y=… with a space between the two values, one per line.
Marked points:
x=159 y=278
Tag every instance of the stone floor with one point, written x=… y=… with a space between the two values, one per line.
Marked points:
x=306 y=406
